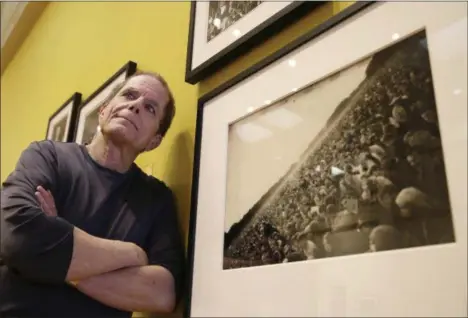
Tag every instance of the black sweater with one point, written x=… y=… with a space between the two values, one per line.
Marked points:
x=36 y=249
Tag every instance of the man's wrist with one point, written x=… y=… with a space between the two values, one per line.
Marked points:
x=142 y=257
x=138 y=256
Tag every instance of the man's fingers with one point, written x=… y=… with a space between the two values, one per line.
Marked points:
x=44 y=205
x=46 y=199
x=47 y=196
x=44 y=195
x=43 y=192
x=40 y=199
x=41 y=189
x=51 y=198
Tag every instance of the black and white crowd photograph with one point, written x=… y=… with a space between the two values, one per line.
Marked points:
x=368 y=177
x=222 y=14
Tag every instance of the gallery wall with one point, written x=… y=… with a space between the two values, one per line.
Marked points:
x=76 y=46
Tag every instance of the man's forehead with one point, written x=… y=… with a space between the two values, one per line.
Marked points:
x=146 y=82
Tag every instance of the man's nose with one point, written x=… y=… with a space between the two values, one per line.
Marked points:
x=135 y=106
x=134 y=109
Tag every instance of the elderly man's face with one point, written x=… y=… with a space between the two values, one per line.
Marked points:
x=134 y=115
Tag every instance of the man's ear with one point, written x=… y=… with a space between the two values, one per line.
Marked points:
x=154 y=143
x=100 y=113
x=101 y=109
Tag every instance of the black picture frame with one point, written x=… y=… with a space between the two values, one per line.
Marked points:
x=257 y=35
x=69 y=116
x=91 y=103
x=329 y=24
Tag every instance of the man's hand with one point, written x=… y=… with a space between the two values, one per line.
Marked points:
x=46 y=200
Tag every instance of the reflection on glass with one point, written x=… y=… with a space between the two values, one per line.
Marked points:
x=222 y=14
x=252 y=133
x=395 y=36
x=282 y=118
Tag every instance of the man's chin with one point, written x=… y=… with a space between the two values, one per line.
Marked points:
x=119 y=135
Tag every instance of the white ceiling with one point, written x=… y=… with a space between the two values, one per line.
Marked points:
x=10 y=14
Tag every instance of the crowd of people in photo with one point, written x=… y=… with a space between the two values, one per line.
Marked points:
x=375 y=182
x=222 y=14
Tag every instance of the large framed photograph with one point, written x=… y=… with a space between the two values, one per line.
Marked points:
x=221 y=31
x=88 y=112
x=61 y=124
x=336 y=185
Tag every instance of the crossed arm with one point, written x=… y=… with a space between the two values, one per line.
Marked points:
x=47 y=249
x=113 y=272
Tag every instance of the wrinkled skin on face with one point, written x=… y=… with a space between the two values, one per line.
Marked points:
x=132 y=118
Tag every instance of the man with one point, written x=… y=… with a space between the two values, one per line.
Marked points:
x=84 y=232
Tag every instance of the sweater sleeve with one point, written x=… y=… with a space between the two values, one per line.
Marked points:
x=32 y=244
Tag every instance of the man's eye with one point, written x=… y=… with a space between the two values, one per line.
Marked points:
x=150 y=108
x=129 y=95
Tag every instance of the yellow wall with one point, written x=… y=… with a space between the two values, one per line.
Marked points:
x=75 y=46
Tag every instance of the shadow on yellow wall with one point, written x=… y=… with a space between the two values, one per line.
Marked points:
x=179 y=175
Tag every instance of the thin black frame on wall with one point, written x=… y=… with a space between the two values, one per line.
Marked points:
x=252 y=38
x=68 y=111
x=88 y=109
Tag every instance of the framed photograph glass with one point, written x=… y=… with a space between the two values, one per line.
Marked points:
x=331 y=179
x=62 y=123
x=88 y=112
x=221 y=31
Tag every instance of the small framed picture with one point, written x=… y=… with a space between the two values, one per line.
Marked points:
x=62 y=123
x=88 y=112
x=330 y=179
x=220 y=31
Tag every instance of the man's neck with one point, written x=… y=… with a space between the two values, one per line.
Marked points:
x=110 y=155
